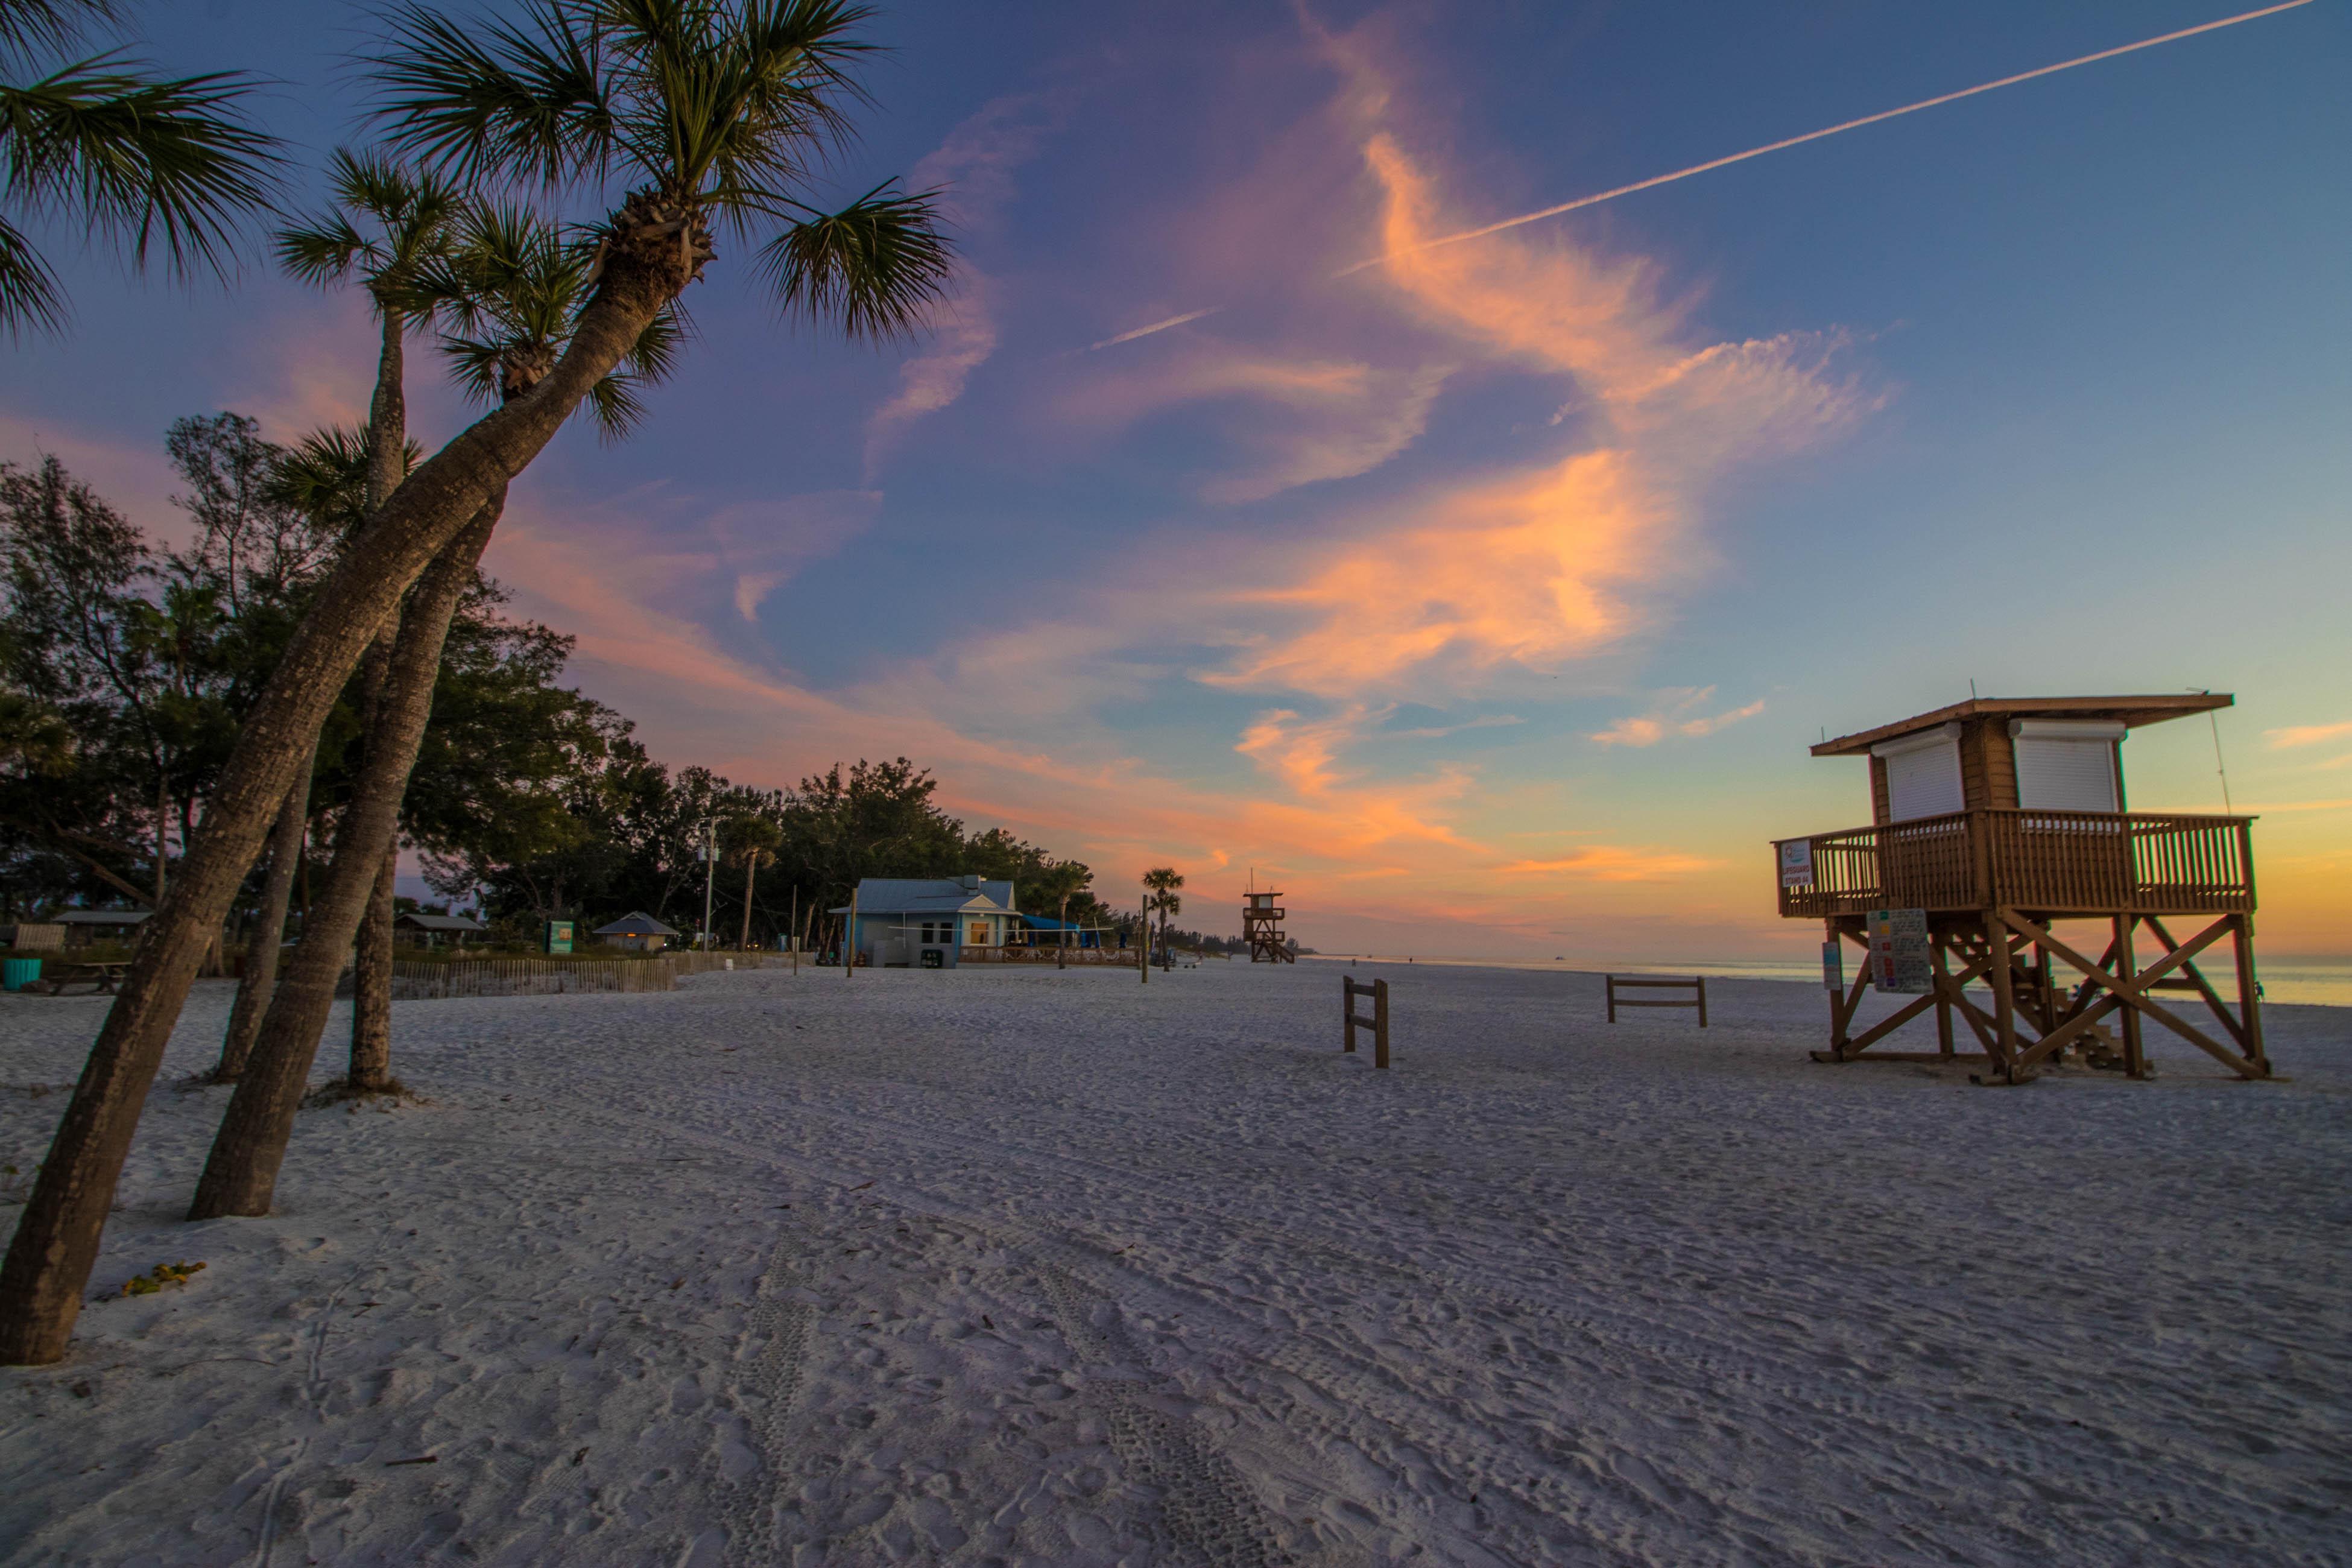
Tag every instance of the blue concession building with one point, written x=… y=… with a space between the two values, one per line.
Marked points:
x=924 y=922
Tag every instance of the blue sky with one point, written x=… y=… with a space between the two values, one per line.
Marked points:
x=1489 y=599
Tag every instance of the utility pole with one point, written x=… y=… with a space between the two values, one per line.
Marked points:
x=710 y=871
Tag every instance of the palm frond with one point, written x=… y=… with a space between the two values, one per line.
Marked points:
x=614 y=405
x=27 y=26
x=325 y=476
x=517 y=103
x=322 y=251
x=654 y=356
x=474 y=363
x=876 y=267
x=141 y=158
x=29 y=298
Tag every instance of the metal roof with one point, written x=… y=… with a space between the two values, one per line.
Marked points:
x=636 y=922
x=438 y=922
x=2126 y=710
x=930 y=895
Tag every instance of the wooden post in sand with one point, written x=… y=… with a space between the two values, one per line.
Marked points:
x=1378 y=1023
x=849 y=938
x=793 y=929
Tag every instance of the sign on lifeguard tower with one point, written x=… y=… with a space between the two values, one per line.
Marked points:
x=1797 y=863
x=1899 y=961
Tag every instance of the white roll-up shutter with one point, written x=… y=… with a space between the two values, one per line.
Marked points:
x=2066 y=767
x=1923 y=773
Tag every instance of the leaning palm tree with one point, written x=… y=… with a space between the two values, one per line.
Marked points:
x=144 y=159
x=325 y=478
x=516 y=289
x=695 y=113
x=388 y=229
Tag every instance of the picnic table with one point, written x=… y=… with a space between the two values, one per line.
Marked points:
x=99 y=976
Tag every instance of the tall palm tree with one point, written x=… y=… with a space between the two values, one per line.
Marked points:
x=703 y=112
x=141 y=159
x=387 y=229
x=515 y=289
x=1162 y=881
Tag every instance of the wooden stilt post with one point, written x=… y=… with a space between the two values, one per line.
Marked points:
x=1941 y=958
x=2126 y=968
x=2004 y=994
x=1379 y=1024
x=1347 y=1014
x=2250 y=990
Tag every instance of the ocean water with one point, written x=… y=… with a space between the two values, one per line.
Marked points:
x=2320 y=981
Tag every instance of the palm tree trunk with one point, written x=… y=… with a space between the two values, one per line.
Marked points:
x=370 y=1056
x=371 y=1062
x=253 y=988
x=751 y=870
x=56 y=1244
x=241 y=1175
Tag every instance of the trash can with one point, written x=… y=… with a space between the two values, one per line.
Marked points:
x=16 y=974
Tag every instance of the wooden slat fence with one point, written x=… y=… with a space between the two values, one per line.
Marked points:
x=418 y=981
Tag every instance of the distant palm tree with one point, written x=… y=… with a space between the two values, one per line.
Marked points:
x=694 y=112
x=751 y=842
x=1163 y=881
x=104 y=143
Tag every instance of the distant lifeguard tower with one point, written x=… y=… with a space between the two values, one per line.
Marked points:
x=1261 y=926
x=1994 y=822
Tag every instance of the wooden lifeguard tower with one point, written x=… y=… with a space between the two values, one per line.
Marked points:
x=1995 y=822
x=1261 y=926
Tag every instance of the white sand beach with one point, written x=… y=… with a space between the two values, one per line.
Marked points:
x=1033 y=1268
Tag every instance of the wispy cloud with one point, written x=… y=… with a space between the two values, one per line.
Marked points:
x=1611 y=863
x=973 y=168
x=1676 y=713
x=2307 y=735
x=1285 y=420
x=1144 y=331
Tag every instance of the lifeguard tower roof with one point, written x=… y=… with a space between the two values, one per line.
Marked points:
x=2129 y=712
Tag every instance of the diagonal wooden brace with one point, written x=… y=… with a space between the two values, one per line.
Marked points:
x=2132 y=994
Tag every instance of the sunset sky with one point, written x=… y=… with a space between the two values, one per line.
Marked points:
x=1484 y=600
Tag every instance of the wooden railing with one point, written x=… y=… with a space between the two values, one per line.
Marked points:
x=2085 y=862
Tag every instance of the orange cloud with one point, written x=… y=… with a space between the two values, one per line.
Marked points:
x=1526 y=570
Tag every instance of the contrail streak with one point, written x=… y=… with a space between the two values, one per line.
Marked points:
x=1196 y=315
x=1791 y=142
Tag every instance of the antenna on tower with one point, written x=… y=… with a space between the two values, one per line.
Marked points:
x=2220 y=767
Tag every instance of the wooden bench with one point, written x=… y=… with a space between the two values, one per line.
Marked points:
x=1697 y=985
x=99 y=976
